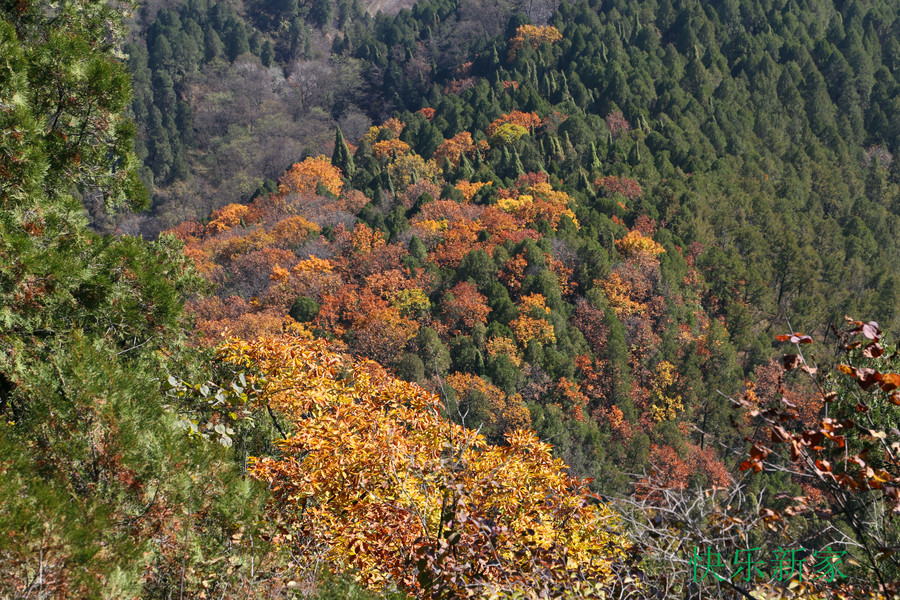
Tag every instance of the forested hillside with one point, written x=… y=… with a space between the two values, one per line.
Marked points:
x=763 y=133
x=605 y=218
x=471 y=299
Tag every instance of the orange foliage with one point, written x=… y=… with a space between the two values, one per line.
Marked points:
x=293 y=231
x=370 y=324
x=313 y=265
x=448 y=210
x=412 y=192
x=352 y=201
x=502 y=226
x=617 y=423
x=304 y=177
x=563 y=274
x=667 y=470
x=463 y=308
x=189 y=232
x=705 y=461
x=534 y=36
x=629 y=188
x=469 y=189
x=459 y=239
x=227 y=217
x=512 y=274
x=216 y=319
x=387 y=149
x=312 y=278
x=571 y=398
x=395 y=125
x=461 y=143
x=227 y=247
x=367 y=240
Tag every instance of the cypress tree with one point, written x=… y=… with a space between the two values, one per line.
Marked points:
x=341 y=157
x=517 y=167
x=464 y=170
x=634 y=156
x=595 y=160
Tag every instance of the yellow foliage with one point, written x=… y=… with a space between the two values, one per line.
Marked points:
x=395 y=126
x=529 y=328
x=499 y=346
x=538 y=34
x=618 y=295
x=435 y=226
x=635 y=242
x=410 y=167
x=370 y=469
x=516 y=205
x=469 y=189
x=411 y=301
x=666 y=403
x=507 y=133
x=525 y=120
x=534 y=36
x=541 y=202
x=534 y=304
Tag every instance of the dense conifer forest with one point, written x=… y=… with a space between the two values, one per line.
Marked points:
x=453 y=299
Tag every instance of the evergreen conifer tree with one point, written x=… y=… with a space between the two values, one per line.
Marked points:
x=341 y=157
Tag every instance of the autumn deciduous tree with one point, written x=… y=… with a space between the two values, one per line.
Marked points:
x=534 y=36
x=613 y=184
x=635 y=242
x=539 y=202
x=525 y=120
x=374 y=481
x=463 y=307
x=532 y=323
x=304 y=177
x=459 y=144
x=371 y=325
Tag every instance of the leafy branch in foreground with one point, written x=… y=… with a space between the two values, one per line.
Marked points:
x=847 y=459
